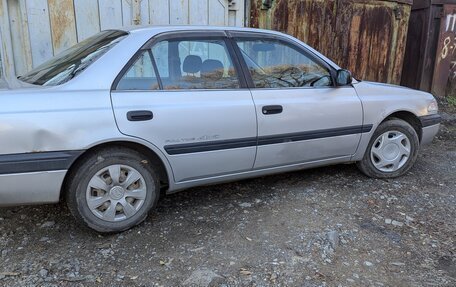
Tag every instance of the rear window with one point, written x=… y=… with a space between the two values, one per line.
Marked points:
x=68 y=64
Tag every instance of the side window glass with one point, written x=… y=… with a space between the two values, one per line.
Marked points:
x=275 y=64
x=140 y=75
x=160 y=52
x=195 y=64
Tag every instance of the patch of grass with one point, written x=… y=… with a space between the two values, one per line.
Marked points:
x=452 y=101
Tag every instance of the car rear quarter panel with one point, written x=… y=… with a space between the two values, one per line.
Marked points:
x=75 y=115
x=380 y=101
x=48 y=120
x=53 y=120
x=36 y=121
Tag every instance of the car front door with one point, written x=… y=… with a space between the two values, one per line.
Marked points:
x=183 y=93
x=302 y=116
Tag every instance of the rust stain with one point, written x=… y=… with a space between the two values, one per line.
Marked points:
x=254 y=15
x=63 y=25
x=281 y=16
x=366 y=36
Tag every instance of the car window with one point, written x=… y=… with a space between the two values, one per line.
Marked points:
x=160 y=52
x=195 y=64
x=276 y=64
x=68 y=64
x=140 y=75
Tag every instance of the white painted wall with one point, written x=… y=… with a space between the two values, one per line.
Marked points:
x=39 y=29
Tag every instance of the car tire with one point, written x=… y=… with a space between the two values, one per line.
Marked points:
x=112 y=190
x=386 y=155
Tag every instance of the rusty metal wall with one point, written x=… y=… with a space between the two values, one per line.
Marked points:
x=430 y=57
x=421 y=45
x=367 y=37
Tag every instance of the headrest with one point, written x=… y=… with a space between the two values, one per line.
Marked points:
x=212 y=69
x=192 y=64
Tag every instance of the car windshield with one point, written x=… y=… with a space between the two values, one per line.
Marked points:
x=68 y=64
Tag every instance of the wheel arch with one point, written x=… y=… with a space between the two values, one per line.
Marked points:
x=408 y=117
x=402 y=114
x=160 y=163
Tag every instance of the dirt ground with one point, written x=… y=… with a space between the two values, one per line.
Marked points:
x=330 y=226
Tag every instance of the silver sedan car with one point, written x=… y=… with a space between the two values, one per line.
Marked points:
x=113 y=121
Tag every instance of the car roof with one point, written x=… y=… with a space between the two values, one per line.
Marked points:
x=170 y=28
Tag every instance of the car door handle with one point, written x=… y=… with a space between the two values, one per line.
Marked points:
x=271 y=110
x=137 y=116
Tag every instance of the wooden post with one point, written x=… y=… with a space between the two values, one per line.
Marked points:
x=2 y=70
x=8 y=70
x=20 y=39
x=136 y=7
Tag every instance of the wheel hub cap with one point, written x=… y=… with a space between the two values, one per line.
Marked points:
x=390 y=151
x=117 y=192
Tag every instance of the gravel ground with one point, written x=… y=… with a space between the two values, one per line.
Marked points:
x=330 y=226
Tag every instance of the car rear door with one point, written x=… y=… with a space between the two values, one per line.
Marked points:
x=183 y=93
x=302 y=116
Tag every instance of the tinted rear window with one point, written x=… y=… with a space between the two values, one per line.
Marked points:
x=68 y=64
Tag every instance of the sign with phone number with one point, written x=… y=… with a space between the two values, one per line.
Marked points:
x=449 y=50
x=445 y=68
x=449 y=47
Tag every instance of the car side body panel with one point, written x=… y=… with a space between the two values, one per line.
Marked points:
x=203 y=133
x=78 y=115
x=326 y=123
x=257 y=172
x=381 y=100
x=59 y=121
x=50 y=119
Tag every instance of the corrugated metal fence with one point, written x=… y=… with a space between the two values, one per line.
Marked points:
x=35 y=30
x=367 y=37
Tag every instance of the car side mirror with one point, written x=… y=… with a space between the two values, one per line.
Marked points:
x=344 y=78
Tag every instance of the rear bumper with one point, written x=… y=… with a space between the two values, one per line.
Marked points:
x=33 y=178
x=31 y=187
x=431 y=126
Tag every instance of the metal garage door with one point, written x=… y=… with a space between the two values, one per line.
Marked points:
x=35 y=30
